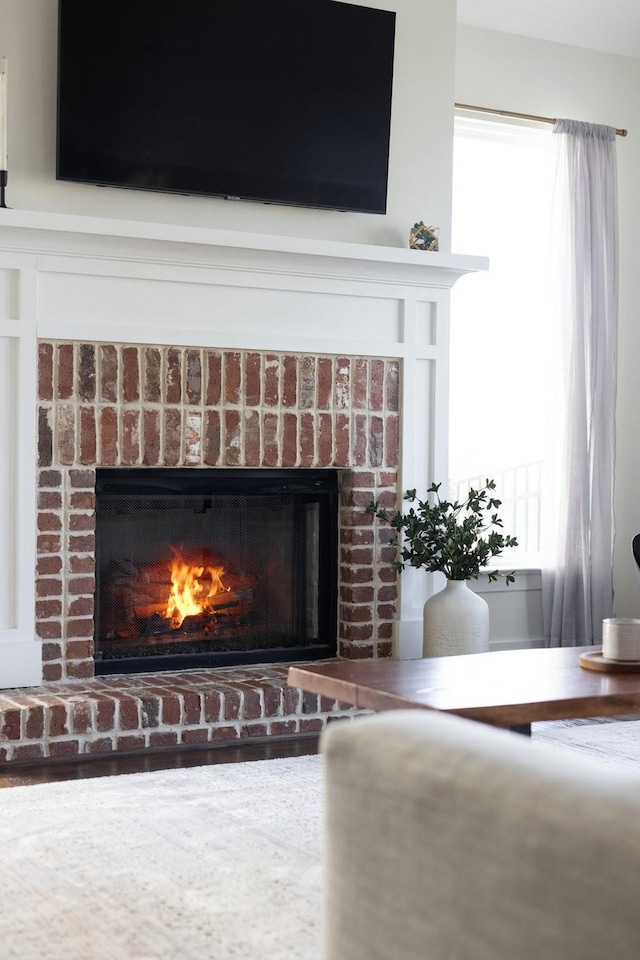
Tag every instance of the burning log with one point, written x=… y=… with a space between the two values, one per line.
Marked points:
x=145 y=610
x=183 y=596
x=221 y=601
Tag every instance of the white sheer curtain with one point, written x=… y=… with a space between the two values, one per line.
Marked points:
x=578 y=583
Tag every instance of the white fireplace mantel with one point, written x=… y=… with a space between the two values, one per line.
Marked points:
x=40 y=232
x=72 y=278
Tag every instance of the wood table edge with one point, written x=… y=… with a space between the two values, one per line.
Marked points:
x=369 y=698
x=310 y=682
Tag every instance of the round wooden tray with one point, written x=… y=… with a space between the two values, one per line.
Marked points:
x=593 y=660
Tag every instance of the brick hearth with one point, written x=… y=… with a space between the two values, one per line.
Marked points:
x=129 y=714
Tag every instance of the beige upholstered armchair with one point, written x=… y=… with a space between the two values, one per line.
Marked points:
x=450 y=840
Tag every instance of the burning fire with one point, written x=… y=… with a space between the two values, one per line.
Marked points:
x=192 y=588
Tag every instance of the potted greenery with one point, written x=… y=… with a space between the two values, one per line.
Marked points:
x=457 y=539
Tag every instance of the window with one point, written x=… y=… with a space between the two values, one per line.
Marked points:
x=501 y=367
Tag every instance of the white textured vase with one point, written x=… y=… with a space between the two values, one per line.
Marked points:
x=456 y=620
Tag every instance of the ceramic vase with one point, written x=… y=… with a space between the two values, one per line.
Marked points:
x=456 y=620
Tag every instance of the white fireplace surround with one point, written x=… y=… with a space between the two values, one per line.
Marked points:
x=85 y=278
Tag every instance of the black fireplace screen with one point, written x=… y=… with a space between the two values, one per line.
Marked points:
x=212 y=567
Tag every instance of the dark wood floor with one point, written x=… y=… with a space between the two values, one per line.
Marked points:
x=24 y=774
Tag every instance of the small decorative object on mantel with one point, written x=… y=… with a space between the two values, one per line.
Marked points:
x=424 y=238
x=457 y=539
x=4 y=72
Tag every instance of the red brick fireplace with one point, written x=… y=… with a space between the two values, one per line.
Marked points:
x=112 y=405
x=153 y=346
x=116 y=405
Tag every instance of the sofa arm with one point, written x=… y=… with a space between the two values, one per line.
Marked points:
x=450 y=840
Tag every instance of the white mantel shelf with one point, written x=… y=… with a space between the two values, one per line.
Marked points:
x=45 y=232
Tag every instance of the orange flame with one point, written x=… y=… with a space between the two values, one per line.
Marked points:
x=191 y=589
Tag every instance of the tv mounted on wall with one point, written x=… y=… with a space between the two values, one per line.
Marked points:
x=278 y=101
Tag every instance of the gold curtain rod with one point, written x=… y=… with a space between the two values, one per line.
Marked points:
x=516 y=116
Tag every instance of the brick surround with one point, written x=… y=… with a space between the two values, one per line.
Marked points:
x=158 y=711
x=109 y=404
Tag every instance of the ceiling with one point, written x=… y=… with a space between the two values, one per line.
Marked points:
x=612 y=26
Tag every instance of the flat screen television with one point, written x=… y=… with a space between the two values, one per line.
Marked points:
x=278 y=101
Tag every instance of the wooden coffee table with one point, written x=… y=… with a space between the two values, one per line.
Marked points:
x=510 y=688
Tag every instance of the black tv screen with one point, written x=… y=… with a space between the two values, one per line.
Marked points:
x=279 y=101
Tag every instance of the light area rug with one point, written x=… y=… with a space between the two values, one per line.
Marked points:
x=222 y=862
x=612 y=742
x=209 y=863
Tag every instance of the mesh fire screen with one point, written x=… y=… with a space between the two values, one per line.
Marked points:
x=211 y=567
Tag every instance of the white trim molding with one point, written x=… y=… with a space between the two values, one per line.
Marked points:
x=20 y=652
x=515 y=610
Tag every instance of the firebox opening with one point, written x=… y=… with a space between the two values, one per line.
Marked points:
x=214 y=567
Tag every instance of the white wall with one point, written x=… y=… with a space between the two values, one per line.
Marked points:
x=553 y=80
x=420 y=157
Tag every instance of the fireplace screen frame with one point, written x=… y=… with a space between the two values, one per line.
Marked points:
x=319 y=487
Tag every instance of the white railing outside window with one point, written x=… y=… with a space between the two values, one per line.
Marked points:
x=520 y=490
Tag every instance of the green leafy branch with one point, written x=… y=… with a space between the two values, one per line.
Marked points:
x=456 y=538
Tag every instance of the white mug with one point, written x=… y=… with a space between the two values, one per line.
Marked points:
x=621 y=639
